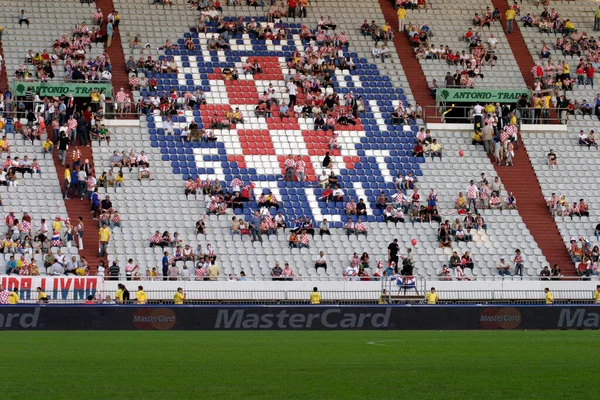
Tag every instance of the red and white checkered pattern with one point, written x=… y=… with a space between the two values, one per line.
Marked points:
x=237 y=182
x=304 y=239
x=472 y=192
x=190 y=185
x=121 y=96
x=290 y=163
x=4 y=296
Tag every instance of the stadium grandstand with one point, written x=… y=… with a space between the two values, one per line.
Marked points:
x=391 y=144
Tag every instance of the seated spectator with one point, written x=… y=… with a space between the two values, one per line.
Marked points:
x=349 y=227
x=466 y=261
x=338 y=194
x=460 y=203
x=324 y=228
x=276 y=272
x=503 y=267
x=360 y=227
x=293 y=240
x=552 y=159
x=144 y=172
x=545 y=274
x=382 y=201
x=495 y=202
x=304 y=240
x=351 y=207
x=321 y=262
x=436 y=150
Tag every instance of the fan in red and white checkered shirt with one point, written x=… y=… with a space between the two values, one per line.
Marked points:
x=4 y=295
x=287 y=271
x=200 y=274
x=237 y=184
x=304 y=240
x=360 y=227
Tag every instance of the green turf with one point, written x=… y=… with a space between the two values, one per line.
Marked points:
x=315 y=365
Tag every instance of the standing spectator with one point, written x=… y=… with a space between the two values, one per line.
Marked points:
x=104 y=235
x=315 y=296
x=109 y=33
x=254 y=225
x=63 y=145
x=432 y=297
x=401 y=18
x=290 y=166
x=393 y=251
x=472 y=192
x=518 y=260
x=4 y=295
x=549 y=296
x=300 y=169
x=510 y=19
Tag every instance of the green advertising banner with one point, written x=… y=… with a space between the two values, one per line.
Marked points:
x=78 y=89
x=459 y=95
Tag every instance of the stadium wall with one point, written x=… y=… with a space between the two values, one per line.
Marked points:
x=77 y=289
x=432 y=317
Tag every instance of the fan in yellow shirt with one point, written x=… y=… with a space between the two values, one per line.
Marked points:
x=13 y=297
x=315 y=296
x=549 y=297
x=42 y=298
x=119 y=296
x=597 y=295
x=432 y=297
x=141 y=296
x=179 y=296
x=47 y=145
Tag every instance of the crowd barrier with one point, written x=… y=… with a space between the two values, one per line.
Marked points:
x=384 y=317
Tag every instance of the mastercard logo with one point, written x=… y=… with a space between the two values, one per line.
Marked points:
x=154 y=318
x=500 y=318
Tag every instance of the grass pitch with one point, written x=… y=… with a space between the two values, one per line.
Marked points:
x=315 y=365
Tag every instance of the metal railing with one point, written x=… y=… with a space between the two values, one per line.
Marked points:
x=392 y=295
x=17 y=108
x=210 y=297
x=298 y=278
x=527 y=115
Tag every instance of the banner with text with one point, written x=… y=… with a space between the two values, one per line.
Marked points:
x=459 y=95
x=238 y=317
x=56 y=288
x=77 y=89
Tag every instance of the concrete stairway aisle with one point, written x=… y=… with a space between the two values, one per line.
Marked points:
x=120 y=79
x=77 y=208
x=410 y=64
x=517 y=44
x=521 y=180
x=3 y=74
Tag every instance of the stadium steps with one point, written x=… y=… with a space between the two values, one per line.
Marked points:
x=120 y=79
x=410 y=64
x=3 y=75
x=517 y=44
x=77 y=208
x=522 y=181
x=520 y=51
